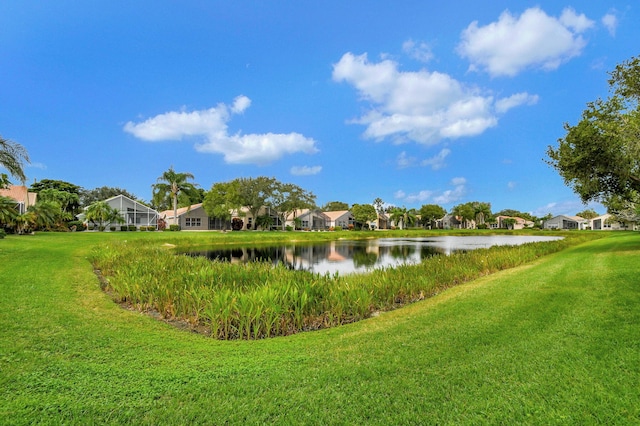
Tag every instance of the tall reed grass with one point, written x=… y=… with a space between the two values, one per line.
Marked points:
x=257 y=300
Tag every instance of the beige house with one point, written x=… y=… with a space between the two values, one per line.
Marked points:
x=608 y=222
x=309 y=219
x=342 y=218
x=503 y=222
x=21 y=195
x=194 y=218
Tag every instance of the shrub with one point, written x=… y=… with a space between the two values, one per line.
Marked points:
x=124 y=228
x=112 y=228
x=174 y=227
x=132 y=228
x=151 y=228
x=101 y=228
x=3 y=233
x=289 y=228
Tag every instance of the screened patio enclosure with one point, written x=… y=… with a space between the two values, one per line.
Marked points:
x=131 y=211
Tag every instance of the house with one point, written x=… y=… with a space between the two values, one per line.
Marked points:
x=381 y=222
x=194 y=218
x=132 y=212
x=342 y=218
x=450 y=221
x=21 y=195
x=311 y=219
x=608 y=222
x=511 y=222
x=565 y=222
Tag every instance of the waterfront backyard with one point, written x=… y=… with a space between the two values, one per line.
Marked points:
x=553 y=341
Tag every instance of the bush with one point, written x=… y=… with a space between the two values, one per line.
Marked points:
x=174 y=227
x=151 y=228
x=132 y=228
x=289 y=228
x=101 y=228
x=338 y=228
x=124 y=228
x=112 y=228
x=3 y=233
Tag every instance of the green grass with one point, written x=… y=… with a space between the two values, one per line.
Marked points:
x=556 y=341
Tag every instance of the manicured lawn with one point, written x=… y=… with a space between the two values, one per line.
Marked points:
x=556 y=341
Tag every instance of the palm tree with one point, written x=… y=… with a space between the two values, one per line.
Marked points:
x=102 y=214
x=12 y=157
x=8 y=211
x=45 y=214
x=170 y=185
x=403 y=217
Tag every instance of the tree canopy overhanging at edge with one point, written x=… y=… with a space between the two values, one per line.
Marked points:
x=599 y=157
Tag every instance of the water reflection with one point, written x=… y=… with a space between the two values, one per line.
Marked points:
x=356 y=256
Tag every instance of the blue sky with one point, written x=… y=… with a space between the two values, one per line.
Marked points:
x=412 y=102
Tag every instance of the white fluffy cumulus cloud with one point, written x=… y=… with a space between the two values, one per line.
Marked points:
x=532 y=40
x=211 y=125
x=420 y=106
x=439 y=197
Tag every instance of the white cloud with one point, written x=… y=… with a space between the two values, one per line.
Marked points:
x=403 y=161
x=511 y=185
x=437 y=162
x=211 y=124
x=505 y=104
x=445 y=197
x=36 y=165
x=610 y=21
x=305 y=170
x=567 y=208
x=419 y=106
x=419 y=51
x=532 y=40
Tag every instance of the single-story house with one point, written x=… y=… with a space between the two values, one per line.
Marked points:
x=381 y=222
x=194 y=218
x=342 y=218
x=503 y=222
x=608 y=222
x=311 y=219
x=450 y=221
x=21 y=195
x=131 y=211
x=565 y=222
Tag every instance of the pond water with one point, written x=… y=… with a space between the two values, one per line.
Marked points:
x=359 y=256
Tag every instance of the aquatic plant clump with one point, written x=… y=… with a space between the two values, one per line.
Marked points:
x=256 y=300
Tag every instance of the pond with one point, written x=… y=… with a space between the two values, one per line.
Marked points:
x=359 y=256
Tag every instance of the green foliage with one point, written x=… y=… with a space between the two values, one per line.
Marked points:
x=173 y=190
x=363 y=214
x=12 y=157
x=3 y=233
x=256 y=300
x=599 y=158
x=588 y=214
x=335 y=206
x=88 y=197
x=174 y=228
x=429 y=213
x=102 y=214
x=402 y=217
x=58 y=185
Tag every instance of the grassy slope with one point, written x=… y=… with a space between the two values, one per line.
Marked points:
x=557 y=341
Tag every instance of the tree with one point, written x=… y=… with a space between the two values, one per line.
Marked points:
x=286 y=198
x=429 y=213
x=335 y=206
x=466 y=212
x=255 y=193
x=88 y=197
x=379 y=205
x=221 y=199
x=102 y=214
x=8 y=212
x=59 y=185
x=403 y=217
x=363 y=213
x=68 y=202
x=482 y=211
x=170 y=187
x=599 y=158
x=516 y=213
x=587 y=214
x=45 y=214
x=12 y=157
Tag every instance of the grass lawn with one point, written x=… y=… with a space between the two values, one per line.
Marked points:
x=556 y=341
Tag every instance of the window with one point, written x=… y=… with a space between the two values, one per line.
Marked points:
x=192 y=222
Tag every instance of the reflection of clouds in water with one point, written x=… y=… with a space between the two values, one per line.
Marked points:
x=357 y=256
